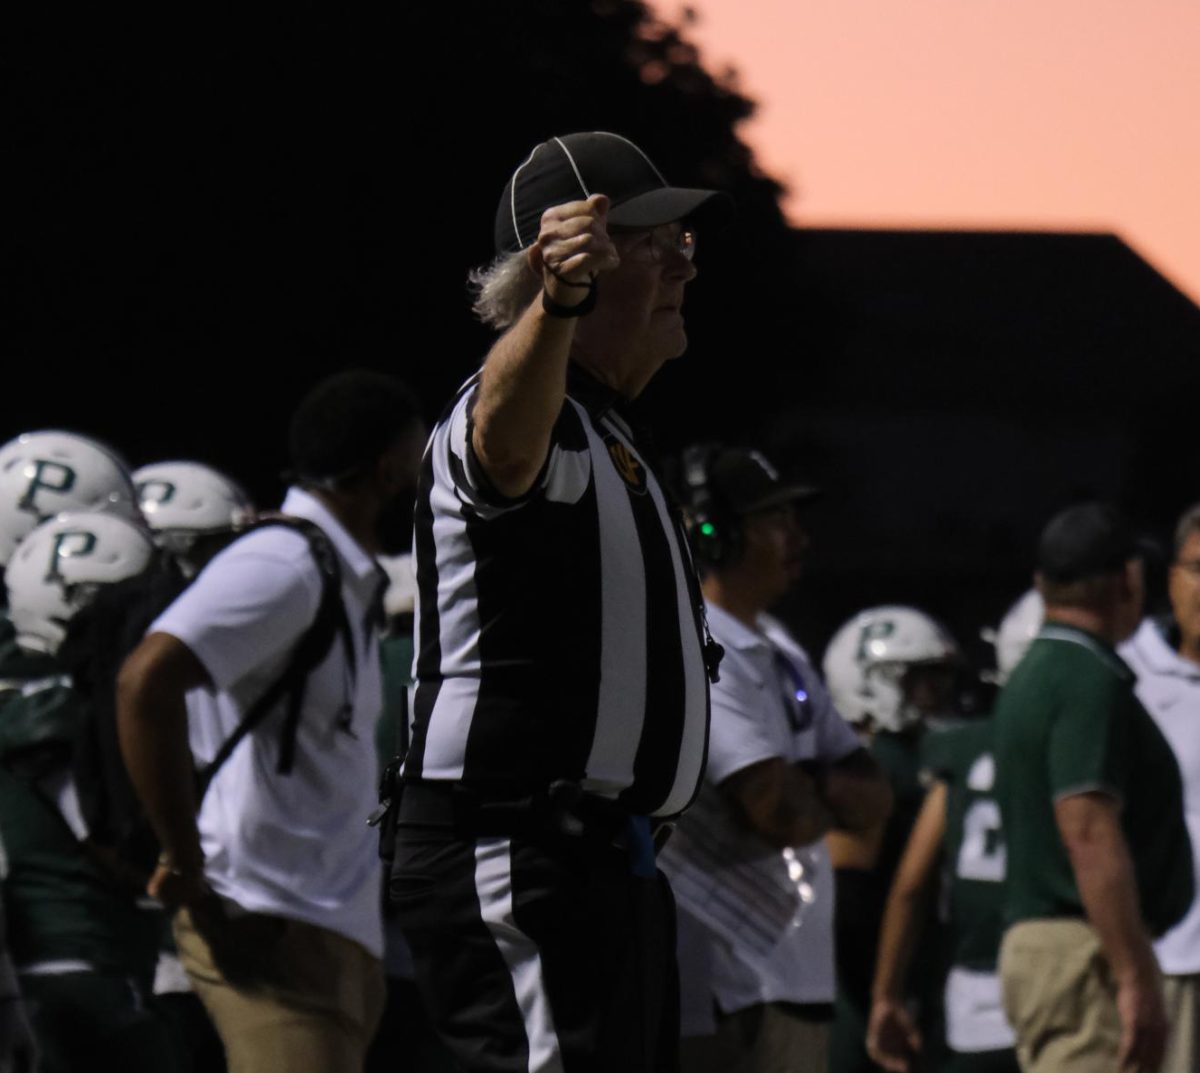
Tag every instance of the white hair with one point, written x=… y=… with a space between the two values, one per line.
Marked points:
x=503 y=289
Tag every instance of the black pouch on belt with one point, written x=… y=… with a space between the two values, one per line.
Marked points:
x=387 y=815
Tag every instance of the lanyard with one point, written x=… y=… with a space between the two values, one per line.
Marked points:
x=796 y=701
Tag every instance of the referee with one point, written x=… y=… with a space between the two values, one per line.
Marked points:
x=561 y=708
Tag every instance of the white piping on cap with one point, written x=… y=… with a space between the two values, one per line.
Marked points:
x=512 y=195
x=661 y=177
x=571 y=161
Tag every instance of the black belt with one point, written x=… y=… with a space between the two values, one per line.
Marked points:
x=561 y=808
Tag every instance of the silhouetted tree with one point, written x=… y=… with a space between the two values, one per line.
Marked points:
x=246 y=202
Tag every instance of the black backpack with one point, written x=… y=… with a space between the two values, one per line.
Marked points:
x=100 y=638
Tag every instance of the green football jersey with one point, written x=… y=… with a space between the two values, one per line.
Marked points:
x=18 y=667
x=973 y=847
x=60 y=905
x=856 y=923
x=899 y=757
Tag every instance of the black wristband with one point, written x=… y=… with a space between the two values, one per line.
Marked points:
x=582 y=308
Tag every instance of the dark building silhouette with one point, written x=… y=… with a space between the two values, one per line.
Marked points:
x=952 y=390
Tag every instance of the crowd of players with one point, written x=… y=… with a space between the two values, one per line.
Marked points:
x=88 y=957
x=92 y=955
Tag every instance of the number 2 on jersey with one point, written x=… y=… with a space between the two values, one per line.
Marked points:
x=981 y=855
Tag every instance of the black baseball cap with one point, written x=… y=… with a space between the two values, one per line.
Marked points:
x=576 y=166
x=1085 y=541
x=747 y=482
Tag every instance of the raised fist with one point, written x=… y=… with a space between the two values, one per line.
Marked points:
x=573 y=246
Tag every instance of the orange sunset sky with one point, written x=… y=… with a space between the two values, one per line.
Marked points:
x=1024 y=114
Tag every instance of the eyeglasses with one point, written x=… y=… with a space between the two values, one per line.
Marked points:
x=654 y=245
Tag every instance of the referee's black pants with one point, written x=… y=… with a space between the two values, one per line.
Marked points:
x=543 y=954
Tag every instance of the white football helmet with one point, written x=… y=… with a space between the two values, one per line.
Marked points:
x=59 y=566
x=45 y=473
x=868 y=657
x=187 y=499
x=1017 y=630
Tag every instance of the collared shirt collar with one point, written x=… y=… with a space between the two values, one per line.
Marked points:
x=732 y=632
x=595 y=397
x=602 y=401
x=1061 y=631
x=363 y=568
x=1152 y=643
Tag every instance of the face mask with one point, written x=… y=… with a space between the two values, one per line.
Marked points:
x=394 y=526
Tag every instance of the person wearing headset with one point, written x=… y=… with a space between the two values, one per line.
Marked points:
x=783 y=768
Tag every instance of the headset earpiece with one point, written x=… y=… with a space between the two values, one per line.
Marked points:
x=715 y=535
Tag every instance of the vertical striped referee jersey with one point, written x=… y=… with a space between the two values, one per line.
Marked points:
x=560 y=635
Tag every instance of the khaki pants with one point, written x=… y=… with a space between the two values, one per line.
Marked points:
x=284 y=995
x=1183 y=1012
x=760 y=1039
x=1060 y=997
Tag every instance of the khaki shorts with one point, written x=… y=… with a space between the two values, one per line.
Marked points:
x=761 y=1039
x=1183 y=1012
x=283 y=994
x=1060 y=997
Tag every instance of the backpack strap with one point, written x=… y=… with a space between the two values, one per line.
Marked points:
x=310 y=651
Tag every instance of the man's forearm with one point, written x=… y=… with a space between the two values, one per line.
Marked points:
x=802 y=816
x=857 y=803
x=908 y=900
x=521 y=392
x=152 y=729
x=857 y=793
x=899 y=935
x=523 y=383
x=1108 y=889
x=1109 y=894
x=779 y=802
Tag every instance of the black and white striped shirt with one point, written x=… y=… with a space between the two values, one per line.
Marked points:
x=559 y=635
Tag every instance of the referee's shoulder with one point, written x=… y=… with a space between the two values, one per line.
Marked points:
x=569 y=432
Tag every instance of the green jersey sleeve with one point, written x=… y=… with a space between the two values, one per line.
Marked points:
x=1086 y=750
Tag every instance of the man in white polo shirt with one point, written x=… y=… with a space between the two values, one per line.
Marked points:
x=783 y=768
x=1165 y=656
x=278 y=876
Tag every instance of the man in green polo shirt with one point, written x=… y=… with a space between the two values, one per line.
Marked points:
x=1092 y=806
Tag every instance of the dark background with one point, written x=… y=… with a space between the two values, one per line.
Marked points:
x=210 y=213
